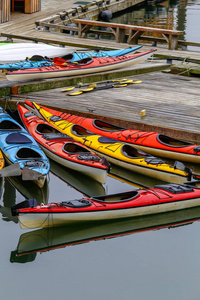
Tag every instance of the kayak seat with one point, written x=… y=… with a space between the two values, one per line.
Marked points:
x=9 y=125
x=175 y=188
x=17 y=138
x=76 y=203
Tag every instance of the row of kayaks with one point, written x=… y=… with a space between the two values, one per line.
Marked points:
x=11 y=53
x=61 y=140
x=73 y=63
x=46 y=56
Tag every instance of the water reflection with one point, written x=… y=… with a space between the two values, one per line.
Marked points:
x=47 y=239
x=28 y=190
x=135 y=180
x=179 y=15
x=82 y=183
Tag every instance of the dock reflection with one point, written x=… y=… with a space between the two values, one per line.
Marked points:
x=47 y=239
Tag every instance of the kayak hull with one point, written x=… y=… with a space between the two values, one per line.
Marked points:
x=18 y=147
x=63 y=149
x=96 y=65
x=161 y=198
x=117 y=152
x=149 y=142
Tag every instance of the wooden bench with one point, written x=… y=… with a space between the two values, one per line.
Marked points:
x=134 y=32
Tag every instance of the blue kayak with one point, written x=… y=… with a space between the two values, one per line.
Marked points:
x=38 y=61
x=20 y=149
x=78 y=55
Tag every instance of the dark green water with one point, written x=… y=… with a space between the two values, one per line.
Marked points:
x=180 y=15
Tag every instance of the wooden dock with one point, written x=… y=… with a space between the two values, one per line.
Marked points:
x=171 y=104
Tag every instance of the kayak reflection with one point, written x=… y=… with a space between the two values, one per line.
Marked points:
x=46 y=239
x=28 y=189
x=132 y=178
x=80 y=182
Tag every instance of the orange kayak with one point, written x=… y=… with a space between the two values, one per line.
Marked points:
x=63 y=149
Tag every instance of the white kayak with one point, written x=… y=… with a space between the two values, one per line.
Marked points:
x=15 y=52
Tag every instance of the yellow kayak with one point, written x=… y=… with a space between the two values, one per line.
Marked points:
x=119 y=153
x=2 y=162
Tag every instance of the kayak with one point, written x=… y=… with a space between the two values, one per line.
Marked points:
x=15 y=52
x=53 y=238
x=119 y=153
x=63 y=149
x=141 y=202
x=38 y=61
x=2 y=161
x=88 y=65
x=150 y=142
x=79 y=54
x=21 y=150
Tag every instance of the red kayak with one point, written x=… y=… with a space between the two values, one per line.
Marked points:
x=161 y=198
x=63 y=149
x=150 y=142
x=88 y=65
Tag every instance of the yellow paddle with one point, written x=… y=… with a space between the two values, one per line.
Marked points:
x=90 y=89
x=92 y=84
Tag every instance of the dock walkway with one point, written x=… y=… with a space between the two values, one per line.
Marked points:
x=171 y=103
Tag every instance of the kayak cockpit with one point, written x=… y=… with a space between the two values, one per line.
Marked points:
x=9 y=125
x=172 y=142
x=105 y=126
x=120 y=197
x=27 y=153
x=131 y=152
x=50 y=133
x=73 y=148
x=81 y=131
x=84 y=153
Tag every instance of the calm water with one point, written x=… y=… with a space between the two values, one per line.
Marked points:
x=180 y=15
x=156 y=257
x=130 y=259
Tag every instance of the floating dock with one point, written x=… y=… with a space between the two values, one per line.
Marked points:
x=163 y=102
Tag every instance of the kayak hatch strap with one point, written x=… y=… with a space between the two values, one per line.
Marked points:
x=76 y=203
x=88 y=157
x=196 y=149
x=175 y=188
x=154 y=160
x=55 y=119
x=28 y=114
